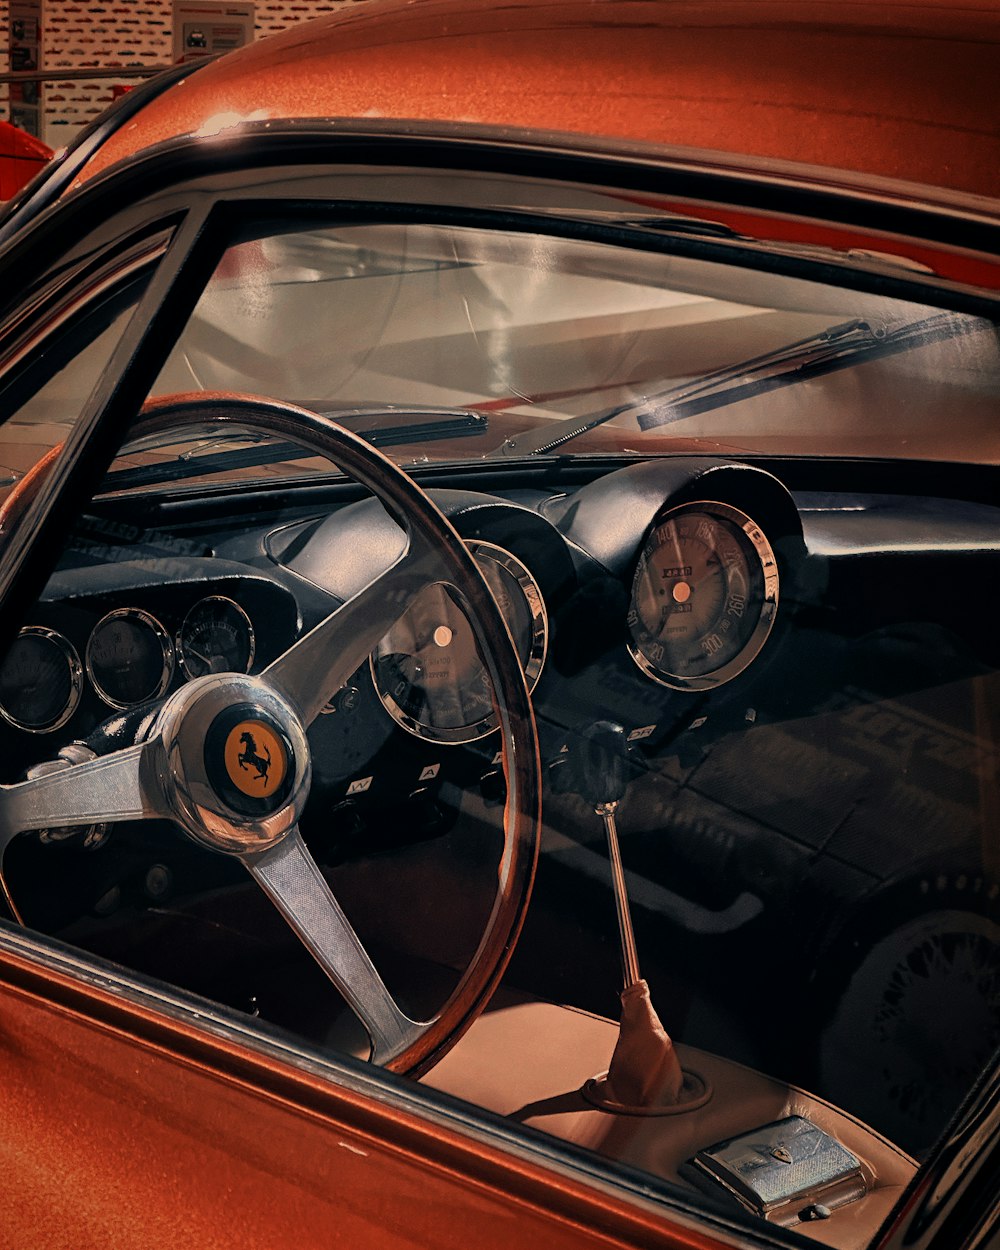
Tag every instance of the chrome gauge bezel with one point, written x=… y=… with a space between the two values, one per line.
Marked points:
x=768 y=607
x=166 y=651
x=539 y=644
x=537 y=651
x=209 y=599
x=69 y=653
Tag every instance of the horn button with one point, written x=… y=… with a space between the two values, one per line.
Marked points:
x=235 y=764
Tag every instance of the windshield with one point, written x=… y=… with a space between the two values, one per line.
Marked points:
x=536 y=333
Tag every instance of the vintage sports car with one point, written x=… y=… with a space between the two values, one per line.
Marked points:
x=21 y=157
x=499 y=704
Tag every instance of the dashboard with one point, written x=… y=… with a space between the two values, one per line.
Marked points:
x=116 y=636
x=649 y=594
x=665 y=593
x=797 y=670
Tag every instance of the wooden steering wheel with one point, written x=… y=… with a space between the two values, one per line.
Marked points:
x=184 y=768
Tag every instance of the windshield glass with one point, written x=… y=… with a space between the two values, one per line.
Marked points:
x=537 y=334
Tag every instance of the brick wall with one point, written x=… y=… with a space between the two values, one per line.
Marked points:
x=112 y=34
x=4 y=57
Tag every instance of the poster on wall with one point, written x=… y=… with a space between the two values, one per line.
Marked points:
x=207 y=27
x=25 y=50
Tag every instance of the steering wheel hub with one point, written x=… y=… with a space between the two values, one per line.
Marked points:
x=237 y=764
x=249 y=759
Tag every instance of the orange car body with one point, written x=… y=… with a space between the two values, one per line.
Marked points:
x=21 y=157
x=133 y=1127
x=872 y=99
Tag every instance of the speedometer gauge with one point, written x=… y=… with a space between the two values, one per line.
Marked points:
x=216 y=637
x=40 y=681
x=427 y=669
x=704 y=596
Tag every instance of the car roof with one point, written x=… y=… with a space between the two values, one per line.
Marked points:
x=905 y=91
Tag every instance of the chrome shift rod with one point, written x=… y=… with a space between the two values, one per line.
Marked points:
x=601 y=775
x=630 y=957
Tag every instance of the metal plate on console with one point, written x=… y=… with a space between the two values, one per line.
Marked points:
x=787 y=1171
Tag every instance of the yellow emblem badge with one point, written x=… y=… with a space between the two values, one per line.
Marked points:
x=256 y=761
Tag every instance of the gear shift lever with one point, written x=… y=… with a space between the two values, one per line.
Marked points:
x=602 y=778
x=644 y=1071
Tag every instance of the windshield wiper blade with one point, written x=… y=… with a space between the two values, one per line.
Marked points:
x=848 y=343
x=429 y=424
x=838 y=346
x=827 y=344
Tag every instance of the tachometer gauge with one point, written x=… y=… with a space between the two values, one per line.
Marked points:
x=427 y=670
x=704 y=597
x=40 y=681
x=216 y=637
x=130 y=658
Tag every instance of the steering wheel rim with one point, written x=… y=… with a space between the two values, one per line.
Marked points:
x=268 y=843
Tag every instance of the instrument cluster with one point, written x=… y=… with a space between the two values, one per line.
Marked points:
x=128 y=658
x=697 y=576
x=638 y=584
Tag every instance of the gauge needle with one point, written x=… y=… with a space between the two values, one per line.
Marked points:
x=712 y=568
x=214 y=663
x=675 y=539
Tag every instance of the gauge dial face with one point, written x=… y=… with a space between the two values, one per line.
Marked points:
x=130 y=658
x=40 y=681
x=216 y=637
x=704 y=597
x=427 y=668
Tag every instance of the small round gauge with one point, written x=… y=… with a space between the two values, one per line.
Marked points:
x=130 y=658
x=427 y=668
x=704 y=596
x=40 y=680
x=216 y=637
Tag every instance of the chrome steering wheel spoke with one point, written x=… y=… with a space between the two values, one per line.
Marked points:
x=291 y=879
x=313 y=669
x=105 y=790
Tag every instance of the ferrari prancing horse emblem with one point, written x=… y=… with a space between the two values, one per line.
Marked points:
x=256 y=761
x=248 y=757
